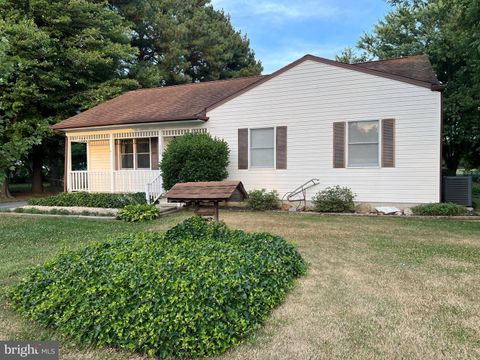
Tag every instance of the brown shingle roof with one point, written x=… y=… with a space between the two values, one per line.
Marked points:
x=170 y=103
x=209 y=190
x=191 y=101
x=413 y=67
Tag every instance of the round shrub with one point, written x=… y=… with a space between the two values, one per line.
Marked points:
x=138 y=212
x=195 y=291
x=194 y=157
x=263 y=200
x=439 y=209
x=334 y=199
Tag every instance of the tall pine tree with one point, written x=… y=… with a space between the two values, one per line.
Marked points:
x=181 y=41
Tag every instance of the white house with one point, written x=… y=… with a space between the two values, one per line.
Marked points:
x=374 y=127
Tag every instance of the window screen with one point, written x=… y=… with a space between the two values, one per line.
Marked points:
x=262 y=147
x=363 y=144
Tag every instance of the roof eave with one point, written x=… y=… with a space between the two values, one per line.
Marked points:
x=438 y=87
x=201 y=117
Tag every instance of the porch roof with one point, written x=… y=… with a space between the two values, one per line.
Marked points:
x=170 y=103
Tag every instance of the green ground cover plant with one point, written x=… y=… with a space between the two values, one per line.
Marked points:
x=439 y=209
x=58 y=212
x=138 y=212
x=195 y=291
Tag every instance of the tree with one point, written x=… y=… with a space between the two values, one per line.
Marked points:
x=67 y=56
x=350 y=56
x=181 y=41
x=194 y=157
x=64 y=57
x=448 y=32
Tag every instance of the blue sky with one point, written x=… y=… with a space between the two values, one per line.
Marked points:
x=282 y=31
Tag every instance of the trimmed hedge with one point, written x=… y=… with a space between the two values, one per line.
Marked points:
x=263 y=200
x=195 y=291
x=85 y=199
x=194 y=157
x=138 y=212
x=439 y=209
x=60 y=212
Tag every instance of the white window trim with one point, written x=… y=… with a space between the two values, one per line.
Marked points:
x=347 y=144
x=135 y=153
x=273 y=167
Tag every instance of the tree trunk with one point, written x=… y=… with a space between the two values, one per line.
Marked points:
x=37 y=170
x=452 y=163
x=4 y=191
x=54 y=175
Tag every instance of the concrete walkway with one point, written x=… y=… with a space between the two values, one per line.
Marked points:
x=12 y=205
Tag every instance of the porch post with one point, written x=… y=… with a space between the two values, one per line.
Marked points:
x=160 y=146
x=68 y=169
x=112 y=164
x=89 y=174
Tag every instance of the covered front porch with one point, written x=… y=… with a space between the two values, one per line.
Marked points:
x=121 y=161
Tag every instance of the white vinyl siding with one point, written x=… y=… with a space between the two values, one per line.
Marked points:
x=98 y=158
x=308 y=99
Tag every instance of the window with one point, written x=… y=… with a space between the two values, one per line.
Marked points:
x=126 y=153
x=143 y=153
x=363 y=143
x=262 y=147
x=135 y=153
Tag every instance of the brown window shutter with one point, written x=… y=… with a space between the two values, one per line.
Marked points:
x=281 y=147
x=339 y=144
x=243 y=148
x=154 y=153
x=388 y=143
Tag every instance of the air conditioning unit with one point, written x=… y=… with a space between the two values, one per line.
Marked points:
x=458 y=190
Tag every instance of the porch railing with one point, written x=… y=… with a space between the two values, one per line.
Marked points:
x=122 y=181
x=154 y=189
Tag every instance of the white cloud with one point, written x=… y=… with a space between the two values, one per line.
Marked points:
x=278 y=10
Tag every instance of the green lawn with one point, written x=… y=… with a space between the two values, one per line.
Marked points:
x=376 y=287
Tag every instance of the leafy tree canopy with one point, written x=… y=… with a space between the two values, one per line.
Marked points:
x=448 y=31
x=181 y=41
x=58 y=57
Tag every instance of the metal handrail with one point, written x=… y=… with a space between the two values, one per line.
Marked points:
x=302 y=189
